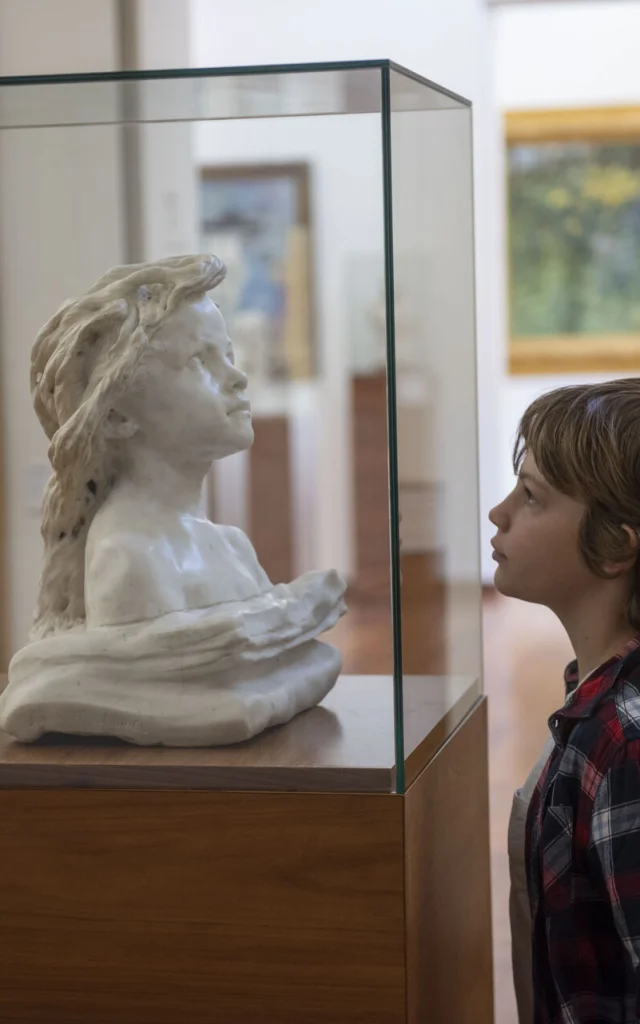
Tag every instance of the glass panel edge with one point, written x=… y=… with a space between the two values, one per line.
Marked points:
x=428 y=83
x=214 y=72
x=394 y=533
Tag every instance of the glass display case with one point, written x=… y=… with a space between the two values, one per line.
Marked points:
x=339 y=197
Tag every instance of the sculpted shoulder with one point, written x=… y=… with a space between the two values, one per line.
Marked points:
x=127 y=578
x=245 y=552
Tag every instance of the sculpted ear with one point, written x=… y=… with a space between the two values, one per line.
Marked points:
x=119 y=427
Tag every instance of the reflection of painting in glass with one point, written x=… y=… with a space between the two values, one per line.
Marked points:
x=254 y=219
x=574 y=238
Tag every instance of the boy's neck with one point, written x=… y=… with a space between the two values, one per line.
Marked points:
x=596 y=633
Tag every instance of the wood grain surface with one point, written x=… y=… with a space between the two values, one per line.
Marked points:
x=346 y=744
x=448 y=883
x=5 y=581
x=164 y=908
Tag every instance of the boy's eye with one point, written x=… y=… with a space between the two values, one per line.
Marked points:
x=529 y=494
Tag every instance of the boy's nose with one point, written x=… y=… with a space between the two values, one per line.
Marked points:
x=498 y=516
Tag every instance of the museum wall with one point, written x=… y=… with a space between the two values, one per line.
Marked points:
x=43 y=257
x=557 y=55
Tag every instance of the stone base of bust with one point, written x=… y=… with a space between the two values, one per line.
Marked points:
x=199 y=677
x=229 y=707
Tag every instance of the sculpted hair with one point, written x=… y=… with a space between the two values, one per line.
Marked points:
x=585 y=440
x=83 y=360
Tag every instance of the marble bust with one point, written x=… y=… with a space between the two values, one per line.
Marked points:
x=153 y=624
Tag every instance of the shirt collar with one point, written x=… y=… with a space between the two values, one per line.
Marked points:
x=582 y=701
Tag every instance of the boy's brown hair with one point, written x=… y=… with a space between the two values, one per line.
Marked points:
x=585 y=440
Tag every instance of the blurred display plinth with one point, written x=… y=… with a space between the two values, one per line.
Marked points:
x=275 y=882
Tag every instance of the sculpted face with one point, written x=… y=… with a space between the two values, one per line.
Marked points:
x=189 y=397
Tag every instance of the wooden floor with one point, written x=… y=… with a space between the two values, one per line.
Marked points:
x=526 y=651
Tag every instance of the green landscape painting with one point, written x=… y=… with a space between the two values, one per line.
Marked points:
x=574 y=238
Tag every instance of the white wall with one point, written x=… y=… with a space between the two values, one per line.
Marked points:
x=57 y=235
x=568 y=54
x=446 y=42
x=38 y=37
x=43 y=174
x=558 y=55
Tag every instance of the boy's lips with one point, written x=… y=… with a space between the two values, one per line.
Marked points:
x=497 y=554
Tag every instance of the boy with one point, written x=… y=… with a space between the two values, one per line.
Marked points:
x=568 y=538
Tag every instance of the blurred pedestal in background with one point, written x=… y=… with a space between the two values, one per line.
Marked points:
x=365 y=635
x=270 y=498
x=371 y=487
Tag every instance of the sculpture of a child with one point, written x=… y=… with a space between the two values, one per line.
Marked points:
x=154 y=624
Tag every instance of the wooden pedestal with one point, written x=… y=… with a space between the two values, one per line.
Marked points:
x=181 y=906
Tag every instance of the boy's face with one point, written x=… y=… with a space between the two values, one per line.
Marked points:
x=536 y=546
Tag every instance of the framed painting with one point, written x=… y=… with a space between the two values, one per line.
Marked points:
x=257 y=219
x=574 y=240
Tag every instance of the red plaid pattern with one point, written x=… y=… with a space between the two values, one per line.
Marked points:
x=583 y=853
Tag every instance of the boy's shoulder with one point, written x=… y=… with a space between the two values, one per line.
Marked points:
x=604 y=737
x=601 y=735
x=626 y=700
x=618 y=711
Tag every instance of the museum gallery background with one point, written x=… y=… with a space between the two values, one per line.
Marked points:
x=525 y=56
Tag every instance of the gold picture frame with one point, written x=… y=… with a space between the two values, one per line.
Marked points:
x=559 y=352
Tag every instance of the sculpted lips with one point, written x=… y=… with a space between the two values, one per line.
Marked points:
x=243 y=406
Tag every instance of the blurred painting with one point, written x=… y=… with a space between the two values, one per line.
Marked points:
x=256 y=218
x=574 y=249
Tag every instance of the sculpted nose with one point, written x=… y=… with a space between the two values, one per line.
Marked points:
x=239 y=380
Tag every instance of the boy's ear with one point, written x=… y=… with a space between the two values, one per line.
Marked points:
x=634 y=550
x=634 y=539
x=119 y=427
x=612 y=569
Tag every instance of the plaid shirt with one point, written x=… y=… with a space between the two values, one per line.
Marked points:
x=583 y=853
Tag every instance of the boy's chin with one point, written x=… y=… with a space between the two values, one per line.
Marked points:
x=504 y=585
x=510 y=587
